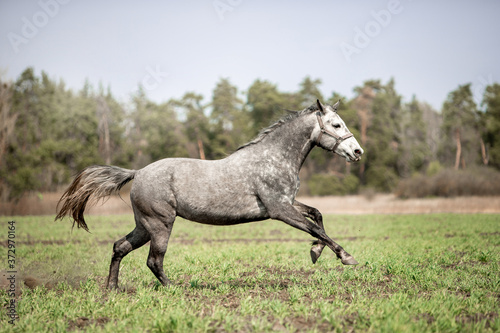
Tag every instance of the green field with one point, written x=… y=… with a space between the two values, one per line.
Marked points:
x=417 y=273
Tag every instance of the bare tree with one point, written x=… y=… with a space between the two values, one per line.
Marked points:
x=104 y=113
x=433 y=121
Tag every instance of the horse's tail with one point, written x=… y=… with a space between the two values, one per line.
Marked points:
x=94 y=183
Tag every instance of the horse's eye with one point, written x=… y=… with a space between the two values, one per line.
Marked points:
x=336 y=125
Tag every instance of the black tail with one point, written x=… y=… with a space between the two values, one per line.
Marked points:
x=96 y=181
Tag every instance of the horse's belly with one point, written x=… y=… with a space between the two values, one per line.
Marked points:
x=213 y=210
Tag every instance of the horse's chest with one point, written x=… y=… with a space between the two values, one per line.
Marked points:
x=279 y=181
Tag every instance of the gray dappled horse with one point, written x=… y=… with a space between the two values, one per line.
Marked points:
x=259 y=181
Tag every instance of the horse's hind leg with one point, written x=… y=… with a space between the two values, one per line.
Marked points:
x=157 y=218
x=137 y=238
x=159 y=242
x=316 y=216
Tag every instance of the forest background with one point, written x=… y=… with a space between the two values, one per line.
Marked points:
x=49 y=132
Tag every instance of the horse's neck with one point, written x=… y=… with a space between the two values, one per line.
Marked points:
x=289 y=145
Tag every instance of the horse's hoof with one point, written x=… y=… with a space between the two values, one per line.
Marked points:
x=315 y=253
x=349 y=261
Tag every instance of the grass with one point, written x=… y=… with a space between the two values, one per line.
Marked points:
x=417 y=273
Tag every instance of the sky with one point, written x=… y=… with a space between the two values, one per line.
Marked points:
x=172 y=47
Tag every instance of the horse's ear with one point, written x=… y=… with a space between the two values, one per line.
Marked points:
x=336 y=106
x=320 y=106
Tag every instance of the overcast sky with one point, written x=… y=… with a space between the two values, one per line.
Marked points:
x=171 y=47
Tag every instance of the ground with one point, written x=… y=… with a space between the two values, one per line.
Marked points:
x=417 y=273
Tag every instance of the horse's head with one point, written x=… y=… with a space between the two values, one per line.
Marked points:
x=331 y=133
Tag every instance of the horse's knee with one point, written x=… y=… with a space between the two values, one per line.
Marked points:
x=121 y=248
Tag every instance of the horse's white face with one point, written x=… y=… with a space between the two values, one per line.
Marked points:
x=335 y=130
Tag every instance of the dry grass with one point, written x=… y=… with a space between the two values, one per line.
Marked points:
x=479 y=181
x=45 y=204
x=390 y=204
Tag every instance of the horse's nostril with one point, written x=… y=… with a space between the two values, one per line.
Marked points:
x=357 y=151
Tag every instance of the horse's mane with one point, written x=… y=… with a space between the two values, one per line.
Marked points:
x=283 y=120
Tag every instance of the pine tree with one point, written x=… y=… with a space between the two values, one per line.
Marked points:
x=231 y=122
x=156 y=132
x=460 y=128
x=196 y=125
x=7 y=129
x=309 y=92
x=265 y=104
x=491 y=125
x=363 y=104
x=414 y=152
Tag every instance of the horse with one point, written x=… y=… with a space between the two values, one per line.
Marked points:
x=258 y=181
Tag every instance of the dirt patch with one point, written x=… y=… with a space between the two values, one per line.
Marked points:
x=475 y=318
x=488 y=234
x=9 y=283
x=302 y=324
x=460 y=293
x=28 y=281
x=276 y=232
x=349 y=321
x=427 y=317
x=48 y=277
x=81 y=323
x=303 y=273
x=254 y=240
x=232 y=301
x=55 y=242
x=32 y=283
x=182 y=241
x=288 y=324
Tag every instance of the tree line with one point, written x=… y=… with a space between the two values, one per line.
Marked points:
x=49 y=132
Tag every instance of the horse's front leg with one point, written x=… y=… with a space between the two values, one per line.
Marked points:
x=290 y=215
x=316 y=216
